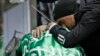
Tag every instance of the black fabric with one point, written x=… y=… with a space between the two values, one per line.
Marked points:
x=64 y=8
x=86 y=32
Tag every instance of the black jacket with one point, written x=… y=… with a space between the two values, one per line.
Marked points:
x=86 y=33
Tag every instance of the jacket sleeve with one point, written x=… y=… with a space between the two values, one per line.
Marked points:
x=89 y=23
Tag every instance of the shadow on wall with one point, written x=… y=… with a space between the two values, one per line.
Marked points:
x=1 y=22
x=0 y=31
x=0 y=25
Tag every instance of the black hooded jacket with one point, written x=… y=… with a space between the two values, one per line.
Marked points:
x=86 y=33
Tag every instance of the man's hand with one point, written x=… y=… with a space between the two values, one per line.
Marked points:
x=37 y=32
x=51 y=24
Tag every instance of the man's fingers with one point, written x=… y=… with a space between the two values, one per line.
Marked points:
x=37 y=32
x=41 y=32
x=34 y=33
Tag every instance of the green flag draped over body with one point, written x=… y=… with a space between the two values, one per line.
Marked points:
x=45 y=46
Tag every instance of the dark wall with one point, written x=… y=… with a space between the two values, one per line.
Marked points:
x=47 y=1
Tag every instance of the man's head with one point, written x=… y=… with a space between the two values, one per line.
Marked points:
x=64 y=12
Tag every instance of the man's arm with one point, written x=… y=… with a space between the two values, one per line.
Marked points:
x=89 y=23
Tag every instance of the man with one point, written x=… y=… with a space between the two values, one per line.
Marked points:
x=86 y=32
x=63 y=16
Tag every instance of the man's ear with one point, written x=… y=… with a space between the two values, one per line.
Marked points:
x=60 y=21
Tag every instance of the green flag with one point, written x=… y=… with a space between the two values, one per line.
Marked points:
x=45 y=46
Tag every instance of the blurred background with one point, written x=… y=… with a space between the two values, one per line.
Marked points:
x=1 y=27
x=15 y=21
x=1 y=22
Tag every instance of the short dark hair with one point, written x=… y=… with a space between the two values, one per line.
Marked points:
x=64 y=8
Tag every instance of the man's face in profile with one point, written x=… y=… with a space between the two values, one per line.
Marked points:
x=68 y=21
